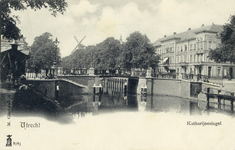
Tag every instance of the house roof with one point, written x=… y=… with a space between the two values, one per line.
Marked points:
x=190 y=34
x=13 y=55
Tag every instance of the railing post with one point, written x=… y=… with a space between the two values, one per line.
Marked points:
x=219 y=100
x=208 y=98
x=232 y=101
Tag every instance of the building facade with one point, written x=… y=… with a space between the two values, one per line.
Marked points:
x=186 y=54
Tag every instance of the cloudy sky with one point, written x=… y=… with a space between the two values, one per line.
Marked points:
x=99 y=19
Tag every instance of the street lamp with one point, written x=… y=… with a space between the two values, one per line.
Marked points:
x=54 y=67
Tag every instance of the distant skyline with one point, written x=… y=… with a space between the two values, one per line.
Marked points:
x=99 y=19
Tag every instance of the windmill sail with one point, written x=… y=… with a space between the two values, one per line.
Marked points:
x=79 y=43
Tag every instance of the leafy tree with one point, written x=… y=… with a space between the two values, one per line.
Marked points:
x=44 y=51
x=138 y=52
x=102 y=56
x=226 y=50
x=8 y=21
x=109 y=50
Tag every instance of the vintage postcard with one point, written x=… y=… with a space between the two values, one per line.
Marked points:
x=117 y=75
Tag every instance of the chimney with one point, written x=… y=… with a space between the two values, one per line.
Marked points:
x=164 y=35
x=202 y=25
x=189 y=29
x=174 y=33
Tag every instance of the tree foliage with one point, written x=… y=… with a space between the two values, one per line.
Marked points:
x=109 y=50
x=226 y=50
x=44 y=51
x=9 y=28
x=137 y=52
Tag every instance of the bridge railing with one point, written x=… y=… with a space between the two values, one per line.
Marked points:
x=199 y=77
x=190 y=77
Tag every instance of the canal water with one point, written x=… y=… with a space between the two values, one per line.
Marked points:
x=116 y=120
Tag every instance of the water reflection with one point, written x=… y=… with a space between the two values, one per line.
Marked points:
x=184 y=106
x=105 y=103
x=118 y=102
x=113 y=99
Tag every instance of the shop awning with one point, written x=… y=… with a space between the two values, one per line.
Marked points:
x=165 y=60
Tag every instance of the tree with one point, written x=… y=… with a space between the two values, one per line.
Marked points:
x=226 y=50
x=108 y=52
x=105 y=55
x=44 y=51
x=8 y=22
x=138 y=52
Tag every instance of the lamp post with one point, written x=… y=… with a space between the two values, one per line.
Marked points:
x=54 y=67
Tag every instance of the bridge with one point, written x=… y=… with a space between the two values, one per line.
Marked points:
x=96 y=84
x=83 y=85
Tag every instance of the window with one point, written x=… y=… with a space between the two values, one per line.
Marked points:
x=218 y=71
x=195 y=46
x=191 y=70
x=167 y=50
x=181 y=49
x=185 y=47
x=210 y=44
x=178 y=48
x=191 y=57
x=191 y=47
x=201 y=45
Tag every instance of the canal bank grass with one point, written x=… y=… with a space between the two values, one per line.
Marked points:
x=122 y=131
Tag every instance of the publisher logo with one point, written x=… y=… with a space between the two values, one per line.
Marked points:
x=9 y=141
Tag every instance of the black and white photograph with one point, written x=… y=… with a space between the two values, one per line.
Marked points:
x=117 y=75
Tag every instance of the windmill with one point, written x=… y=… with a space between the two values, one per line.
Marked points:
x=79 y=44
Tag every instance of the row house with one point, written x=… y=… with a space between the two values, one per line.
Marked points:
x=187 y=53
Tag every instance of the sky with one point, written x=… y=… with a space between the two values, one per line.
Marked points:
x=100 y=19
